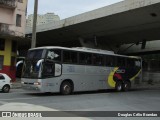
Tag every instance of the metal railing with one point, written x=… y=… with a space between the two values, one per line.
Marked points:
x=9 y=3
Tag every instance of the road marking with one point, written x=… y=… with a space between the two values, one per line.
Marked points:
x=19 y=98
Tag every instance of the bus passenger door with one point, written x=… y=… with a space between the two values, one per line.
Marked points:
x=52 y=69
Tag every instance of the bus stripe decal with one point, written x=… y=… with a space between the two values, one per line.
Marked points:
x=111 y=82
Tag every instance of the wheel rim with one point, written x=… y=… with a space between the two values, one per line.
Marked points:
x=119 y=87
x=66 y=89
x=6 y=89
x=126 y=85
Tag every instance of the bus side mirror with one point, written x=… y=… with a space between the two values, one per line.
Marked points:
x=58 y=70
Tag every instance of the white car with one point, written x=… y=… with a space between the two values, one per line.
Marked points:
x=5 y=83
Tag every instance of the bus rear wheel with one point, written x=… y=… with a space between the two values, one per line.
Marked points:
x=126 y=85
x=118 y=86
x=66 y=88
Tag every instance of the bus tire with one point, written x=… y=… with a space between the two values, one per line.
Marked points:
x=66 y=88
x=126 y=85
x=118 y=86
x=6 y=89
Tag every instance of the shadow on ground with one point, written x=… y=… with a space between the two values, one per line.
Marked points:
x=86 y=92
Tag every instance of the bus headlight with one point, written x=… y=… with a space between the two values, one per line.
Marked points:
x=37 y=83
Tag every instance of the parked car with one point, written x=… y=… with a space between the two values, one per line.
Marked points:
x=5 y=83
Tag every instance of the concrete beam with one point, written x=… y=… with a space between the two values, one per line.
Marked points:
x=120 y=7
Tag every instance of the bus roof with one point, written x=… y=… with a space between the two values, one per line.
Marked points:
x=84 y=49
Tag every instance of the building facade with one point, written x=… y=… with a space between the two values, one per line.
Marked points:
x=12 y=29
x=42 y=19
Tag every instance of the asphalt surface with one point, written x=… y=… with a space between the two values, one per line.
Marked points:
x=103 y=100
x=134 y=100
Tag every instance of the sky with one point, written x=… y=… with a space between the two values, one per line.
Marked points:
x=67 y=8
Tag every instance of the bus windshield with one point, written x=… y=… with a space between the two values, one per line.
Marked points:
x=34 y=68
x=35 y=54
x=30 y=69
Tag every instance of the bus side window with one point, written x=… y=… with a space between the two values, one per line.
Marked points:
x=70 y=57
x=121 y=61
x=130 y=63
x=66 y=57
x=114 y=59
x=85 y=58
x=74 y=57
x=88 y=58
x=110 y=61
x=138 y=63
x=54 y=54
x=82 y=58
x=98 y=59
x=94 y=59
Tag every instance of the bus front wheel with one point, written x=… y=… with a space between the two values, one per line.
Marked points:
x=66 y=88
x=118 y=86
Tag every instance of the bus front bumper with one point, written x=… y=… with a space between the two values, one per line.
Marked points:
x=30 y=87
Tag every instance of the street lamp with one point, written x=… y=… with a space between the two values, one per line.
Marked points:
x=33 y=42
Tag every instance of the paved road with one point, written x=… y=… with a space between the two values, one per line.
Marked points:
x=105 y=100
x=135 y=100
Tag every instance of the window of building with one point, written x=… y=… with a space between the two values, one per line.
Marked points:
x=1 y=62
x=2 y=44
x=14 y=46
x=18 y=20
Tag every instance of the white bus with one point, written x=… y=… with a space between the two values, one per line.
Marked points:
x=67 y=70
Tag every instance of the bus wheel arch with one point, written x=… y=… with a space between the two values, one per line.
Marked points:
x=126 y=85
x=67 y=87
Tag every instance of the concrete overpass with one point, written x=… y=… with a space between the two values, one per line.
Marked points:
x=129 y=21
